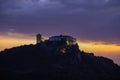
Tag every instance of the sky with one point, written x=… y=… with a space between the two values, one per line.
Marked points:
x=95 y=23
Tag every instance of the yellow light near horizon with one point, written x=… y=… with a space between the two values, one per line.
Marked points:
x=99 y=48
x=9 y=42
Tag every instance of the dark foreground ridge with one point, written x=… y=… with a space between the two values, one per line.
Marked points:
x=58 y=58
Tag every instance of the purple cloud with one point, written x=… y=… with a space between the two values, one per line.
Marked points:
x=85 y=19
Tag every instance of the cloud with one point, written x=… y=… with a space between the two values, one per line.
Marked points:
x=22 y=7
x=114 y=3
x=96 y=20
x=31 y=6
x=28 y=6
x=15 y=35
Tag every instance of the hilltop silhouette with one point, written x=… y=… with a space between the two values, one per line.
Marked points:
x=58 y=58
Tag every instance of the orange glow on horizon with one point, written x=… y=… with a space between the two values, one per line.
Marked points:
x=100 y=49
x=8 y=42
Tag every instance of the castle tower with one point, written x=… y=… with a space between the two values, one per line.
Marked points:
x=38 y=38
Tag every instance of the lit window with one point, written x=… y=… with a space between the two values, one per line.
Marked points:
x=63 y=50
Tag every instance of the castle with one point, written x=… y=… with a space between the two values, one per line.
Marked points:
x=63 y=39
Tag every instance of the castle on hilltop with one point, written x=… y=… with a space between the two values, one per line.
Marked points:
x=63 y=39
x=60 y=44
x=39 y=38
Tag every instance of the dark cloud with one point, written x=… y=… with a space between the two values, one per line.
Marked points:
x=85 y=19
x=113 y=3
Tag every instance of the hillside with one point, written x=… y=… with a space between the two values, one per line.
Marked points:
x=46 y=61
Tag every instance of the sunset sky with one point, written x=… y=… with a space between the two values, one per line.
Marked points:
x=95 y=23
